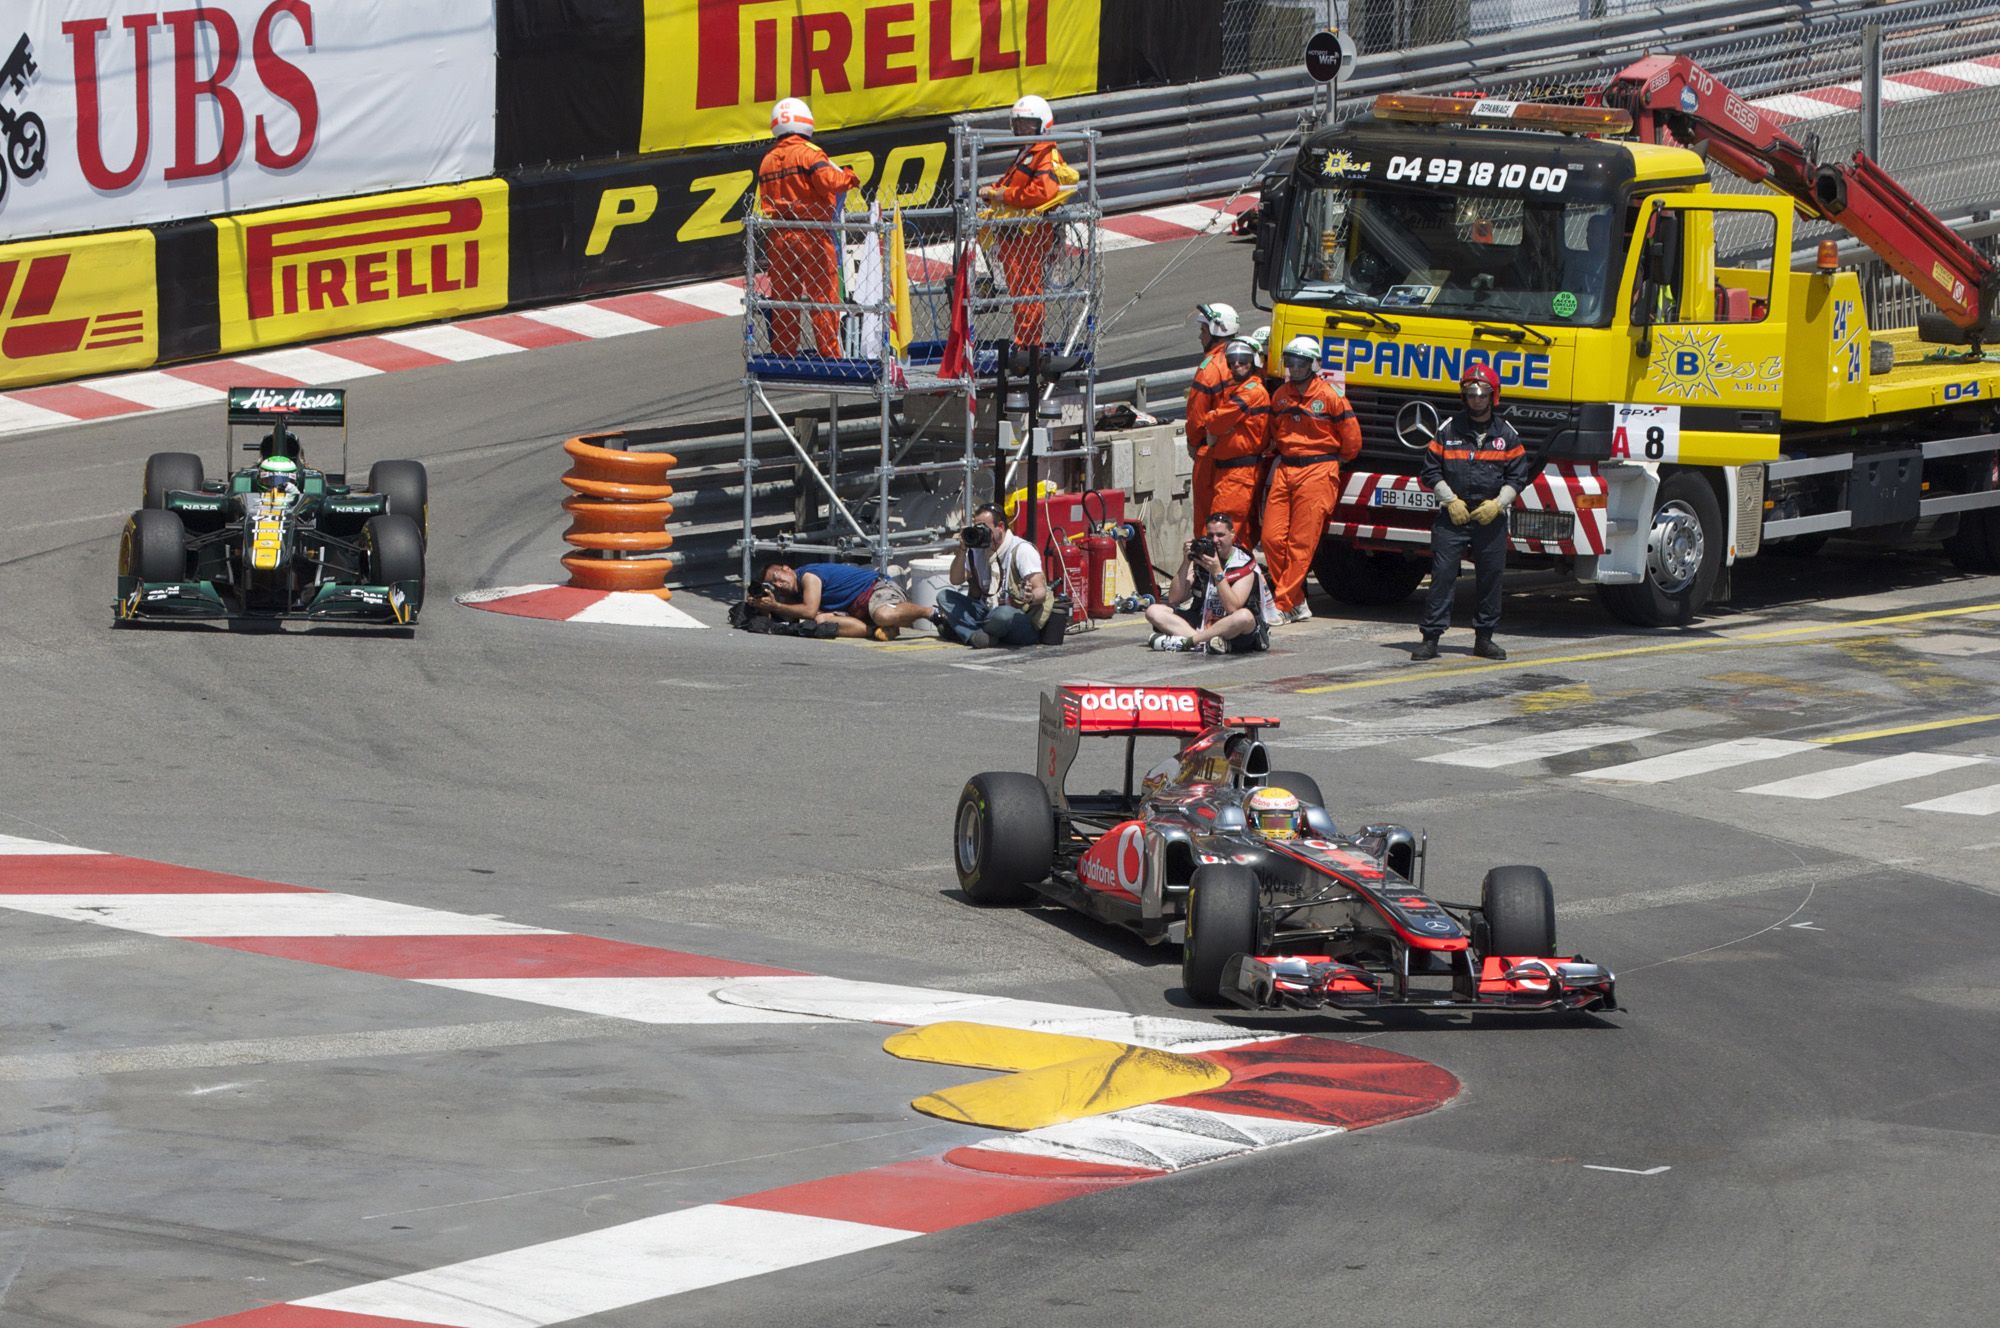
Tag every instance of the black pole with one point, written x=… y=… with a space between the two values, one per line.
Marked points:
x=1034 y=469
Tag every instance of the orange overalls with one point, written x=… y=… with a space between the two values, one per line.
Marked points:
x=796 y=182
x=1028 y=184
x=1238 y=431
x=1313 y=430
x=1211 y=377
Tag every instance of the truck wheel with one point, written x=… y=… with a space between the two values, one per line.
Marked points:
x=1519 y=907
x=407 y=486
x=170 y=470
x=1683 y=557
x=1004 y=838
x=1223 y=901
x=154 y=547
x=395 y=551
x=1975 y=545
x=1299 y=784
x=1364 y=579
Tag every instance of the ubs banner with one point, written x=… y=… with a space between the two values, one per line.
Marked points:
x=713 y=67
x=75 y=307
x=329 y=269
x=119 y=112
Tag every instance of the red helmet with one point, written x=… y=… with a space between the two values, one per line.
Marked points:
x=1481 y=373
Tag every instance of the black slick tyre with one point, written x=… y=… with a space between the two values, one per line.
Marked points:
x=395 y=551
x=1297 y=783
x=1003 y=838
x=167 y=471
x=1684 y=549
x=1223 y=899
x=407 y=486
x=154 y=546
x=1519 y=907
x=1366 y=579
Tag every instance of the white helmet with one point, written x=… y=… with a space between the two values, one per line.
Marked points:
x=1304 y=345
x=1034 y=108
x=1218 y=320
x=791 y=116
x=1261 y=337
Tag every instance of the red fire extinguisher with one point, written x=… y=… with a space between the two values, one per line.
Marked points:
x=1099 y=549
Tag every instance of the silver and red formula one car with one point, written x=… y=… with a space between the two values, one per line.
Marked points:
x=1269 y=914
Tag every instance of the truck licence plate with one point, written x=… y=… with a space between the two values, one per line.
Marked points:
x=1415 y=500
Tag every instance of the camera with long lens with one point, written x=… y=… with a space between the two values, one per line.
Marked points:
x=978 y=535
x=1201 y=546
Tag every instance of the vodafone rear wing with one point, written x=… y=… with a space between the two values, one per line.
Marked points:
x=1082 y=710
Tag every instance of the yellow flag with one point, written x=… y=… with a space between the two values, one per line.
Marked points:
x=899 y=286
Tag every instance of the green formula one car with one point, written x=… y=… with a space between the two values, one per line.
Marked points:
x=277 y=539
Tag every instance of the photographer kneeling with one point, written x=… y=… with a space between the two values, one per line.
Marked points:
x=858 y=601
x=1225 y=586
x=1006 y=597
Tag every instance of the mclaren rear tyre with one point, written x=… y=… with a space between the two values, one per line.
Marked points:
x=1367 y=580
x=1003 y=838
x=154 y=546
x=1683 y=557
x=395 y=551
x=407 y=486
x=1297 y=783
x=1223 y=900
x=1975 y=545
x=1519 y=907
x=170 y=471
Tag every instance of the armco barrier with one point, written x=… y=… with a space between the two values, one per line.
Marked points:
x=618 y=518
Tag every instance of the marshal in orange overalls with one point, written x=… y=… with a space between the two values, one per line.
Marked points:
x=1238 y=432
x=797 y=182
x=1027 y=186
x=1313 y=430
x=1211 y=378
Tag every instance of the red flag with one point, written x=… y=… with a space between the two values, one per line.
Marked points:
x=957 y=361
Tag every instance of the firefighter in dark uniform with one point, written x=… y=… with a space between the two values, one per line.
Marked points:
x=1477 y=467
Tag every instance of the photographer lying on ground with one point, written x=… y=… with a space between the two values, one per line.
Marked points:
x=859 y=601
x=1006 y=597
x=1228 y=591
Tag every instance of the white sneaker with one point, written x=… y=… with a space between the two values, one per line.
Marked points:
x=1170 y=643
x=1217 y=646
x=1303 y=613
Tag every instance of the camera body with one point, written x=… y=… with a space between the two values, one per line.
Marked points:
x=978 y=535
x=763 y=590
x=1201 y=546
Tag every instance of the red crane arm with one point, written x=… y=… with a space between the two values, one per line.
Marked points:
x=1671 y=98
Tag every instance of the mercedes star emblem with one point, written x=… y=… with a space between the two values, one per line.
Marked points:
x=1416 y=424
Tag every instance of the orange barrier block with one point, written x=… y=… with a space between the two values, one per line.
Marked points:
x=618 y=516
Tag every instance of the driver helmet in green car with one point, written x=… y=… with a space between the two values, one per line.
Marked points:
x=276 y=474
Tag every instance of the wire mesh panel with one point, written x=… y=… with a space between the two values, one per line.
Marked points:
x=1035 y=272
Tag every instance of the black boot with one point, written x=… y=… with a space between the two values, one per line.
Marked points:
x=1482 y=646
x=1428 y=650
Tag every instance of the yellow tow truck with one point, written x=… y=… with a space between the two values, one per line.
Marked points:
x=1691 y=398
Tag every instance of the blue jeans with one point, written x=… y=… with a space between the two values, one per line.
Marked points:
x=963 y=615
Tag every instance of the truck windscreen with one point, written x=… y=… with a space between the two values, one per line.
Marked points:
x=1485 y=240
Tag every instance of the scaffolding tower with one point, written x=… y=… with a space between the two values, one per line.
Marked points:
x=906 y=313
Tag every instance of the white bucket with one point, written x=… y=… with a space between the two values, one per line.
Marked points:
x=927 y=577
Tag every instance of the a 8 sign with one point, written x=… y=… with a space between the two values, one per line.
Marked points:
x=1511 y=176
x=1646 y=433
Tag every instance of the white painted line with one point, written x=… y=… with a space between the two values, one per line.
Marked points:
x=308 y=365
x=15 y=844
x=450 y=343
x=279 y=913
x=1970 y=71
x=717 y=296
x=161 y=391
x=1972 y=802
x=1895 y=91
x=1866 y=775
x=1538 y=746
x=1797 y=106
x=1166 y=1138
x=1959 y=644
x=19 y=416
x=602 y=1271
x=885 y=1003
x=1109 y=241
x=1699 y=760
x=1628 y=1171
x=500 y=592
x=634 y=610
x=1196 y=216
x=643 y=1000
x=589 y=321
